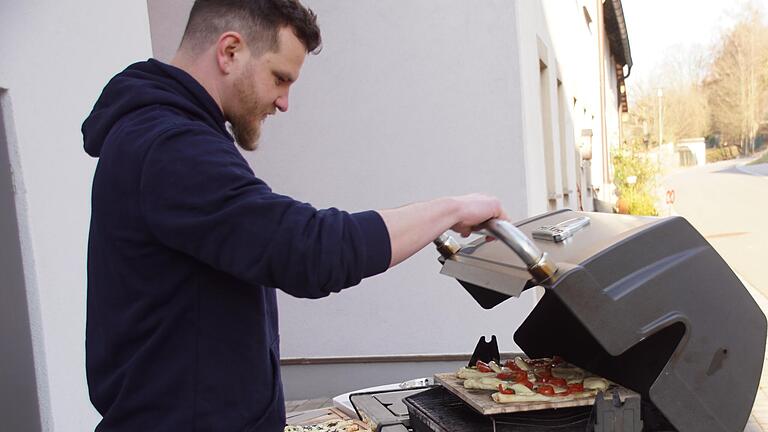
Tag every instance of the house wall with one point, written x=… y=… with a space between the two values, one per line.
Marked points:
x=394 y=110
x=18 y=383
x=403 y=104
x=56 y=59
x=558 y=45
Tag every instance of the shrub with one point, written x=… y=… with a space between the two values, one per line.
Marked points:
x=722 y=153
x=639 y=202
x=638 y=197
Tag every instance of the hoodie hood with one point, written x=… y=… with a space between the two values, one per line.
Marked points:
x=146 y=84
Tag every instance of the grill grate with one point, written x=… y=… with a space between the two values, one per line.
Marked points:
x=438 y=410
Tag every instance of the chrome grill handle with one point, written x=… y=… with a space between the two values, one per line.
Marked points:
x=535 y=260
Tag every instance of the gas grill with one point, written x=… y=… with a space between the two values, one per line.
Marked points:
x=644 y=302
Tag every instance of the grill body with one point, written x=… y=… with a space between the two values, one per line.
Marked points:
x=645 y=302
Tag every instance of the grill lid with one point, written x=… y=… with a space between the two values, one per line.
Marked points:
x=645 y=302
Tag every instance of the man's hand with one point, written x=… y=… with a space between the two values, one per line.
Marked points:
x=476 y=209
x=414 y=226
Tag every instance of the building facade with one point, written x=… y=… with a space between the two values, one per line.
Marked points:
x=406 y=102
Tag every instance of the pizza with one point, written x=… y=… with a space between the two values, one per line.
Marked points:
x=328 y=426
x=527 y=380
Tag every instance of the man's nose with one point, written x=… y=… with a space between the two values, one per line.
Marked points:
x=282 y=103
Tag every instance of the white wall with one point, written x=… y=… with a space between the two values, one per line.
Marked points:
x=57 y=56
x=18 y=384
x=167 y=20
x=697 y=147
x=403 y=104
x=407 y=103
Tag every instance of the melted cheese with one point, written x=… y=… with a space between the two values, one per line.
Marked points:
x=465 y=373
x=483 y=383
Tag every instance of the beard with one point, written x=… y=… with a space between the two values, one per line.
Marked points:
x=245 y=123
x=246 y=134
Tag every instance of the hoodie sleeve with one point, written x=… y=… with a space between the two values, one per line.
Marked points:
x=199 y=196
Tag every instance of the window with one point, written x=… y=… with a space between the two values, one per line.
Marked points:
x=562 y=125
x=547 y=135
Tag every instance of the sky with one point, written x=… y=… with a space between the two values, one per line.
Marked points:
x=657 y=28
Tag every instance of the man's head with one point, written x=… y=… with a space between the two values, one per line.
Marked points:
x=247 y=53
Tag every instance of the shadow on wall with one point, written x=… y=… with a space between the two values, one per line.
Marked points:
x=18 y=386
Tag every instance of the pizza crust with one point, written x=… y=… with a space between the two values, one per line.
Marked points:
x=535 y=397
x=483 y=383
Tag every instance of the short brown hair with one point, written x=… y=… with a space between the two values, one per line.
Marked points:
x=257 y=20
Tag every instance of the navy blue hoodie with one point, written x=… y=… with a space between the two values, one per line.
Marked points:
x=185 y=243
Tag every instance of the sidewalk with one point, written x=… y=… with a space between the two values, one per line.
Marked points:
x=758 y=421
x=760 y=170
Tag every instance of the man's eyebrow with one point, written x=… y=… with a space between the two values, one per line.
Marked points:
x=284 y=76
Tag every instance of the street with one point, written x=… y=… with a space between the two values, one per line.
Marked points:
x=726 y=202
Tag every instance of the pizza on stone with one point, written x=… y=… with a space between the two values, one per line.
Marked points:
x=532 y=380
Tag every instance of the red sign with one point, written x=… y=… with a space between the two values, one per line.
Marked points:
x=670 y=196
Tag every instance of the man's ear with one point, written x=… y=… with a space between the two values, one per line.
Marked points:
x=230 y=48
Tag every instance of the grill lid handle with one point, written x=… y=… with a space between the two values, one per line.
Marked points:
x=538 y=263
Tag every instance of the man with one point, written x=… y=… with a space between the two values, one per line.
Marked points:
x=187 y=246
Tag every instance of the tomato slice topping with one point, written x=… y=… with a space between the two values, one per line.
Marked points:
x=520 y=376
x=512 y=376
x=504 y=390
x=510 y=364
x=576 y=388
x=558 y=382
x=546 y=390
x=483 y=367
